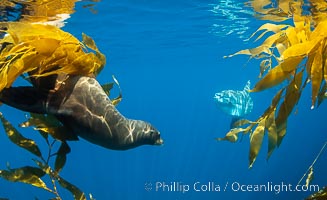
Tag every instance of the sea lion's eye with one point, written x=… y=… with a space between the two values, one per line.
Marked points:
x=146 y=130
x=152 y=132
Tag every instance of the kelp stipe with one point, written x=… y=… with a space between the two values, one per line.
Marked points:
x=321 y=194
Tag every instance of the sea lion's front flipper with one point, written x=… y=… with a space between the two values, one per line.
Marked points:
x=28 y=99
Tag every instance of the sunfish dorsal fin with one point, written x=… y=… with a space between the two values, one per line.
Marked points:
x=247 y=86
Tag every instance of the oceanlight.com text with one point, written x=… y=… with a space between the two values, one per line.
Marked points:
x=270 y=187
x=197 y=186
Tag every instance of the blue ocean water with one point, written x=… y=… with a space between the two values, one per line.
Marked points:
x=168 y=58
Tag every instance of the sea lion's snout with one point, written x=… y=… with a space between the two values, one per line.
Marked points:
x=159 y=142
x=144 y=133
x=155 y=137
x=152 y=135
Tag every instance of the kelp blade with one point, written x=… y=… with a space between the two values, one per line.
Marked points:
x=64 y=149
x=278 y=74
x=76 y=192
x=256 y=141
x=41 y=121
x=18 y=138
x=29 y=52
x=293 y=93
x=27 y=174
x=232 y=135
x=272 y=133
x=50 y=125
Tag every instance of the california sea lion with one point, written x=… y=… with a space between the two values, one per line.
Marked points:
x=82 y=106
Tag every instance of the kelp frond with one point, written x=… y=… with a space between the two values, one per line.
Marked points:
x=30 y=47
x=43 y=50
x=299 y=51
x=46 y=125
x=33 y=175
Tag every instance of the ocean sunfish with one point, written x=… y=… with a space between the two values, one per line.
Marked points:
x=82 y=106
x=236 y=103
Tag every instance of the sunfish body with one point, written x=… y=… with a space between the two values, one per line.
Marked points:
x=83 y=107
x=236 y=103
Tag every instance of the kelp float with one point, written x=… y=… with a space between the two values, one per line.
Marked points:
x=35 y=50
x=292 y=53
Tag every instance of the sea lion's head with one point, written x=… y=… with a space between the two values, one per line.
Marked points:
x=144 y=133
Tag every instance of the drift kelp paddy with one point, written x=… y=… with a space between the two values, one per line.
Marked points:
x=294 y=54
x=298 y=53
x=43 y=50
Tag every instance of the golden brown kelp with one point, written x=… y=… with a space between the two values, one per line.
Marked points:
x=281 y=10
x=42 y=50
x=38 y=11
x=45 y=10
x=320 y=195
x=292 y=53
x=298 y=53
x=53 y=12
x=33 y=174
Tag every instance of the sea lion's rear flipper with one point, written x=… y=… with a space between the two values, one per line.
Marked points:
x=28 y=99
